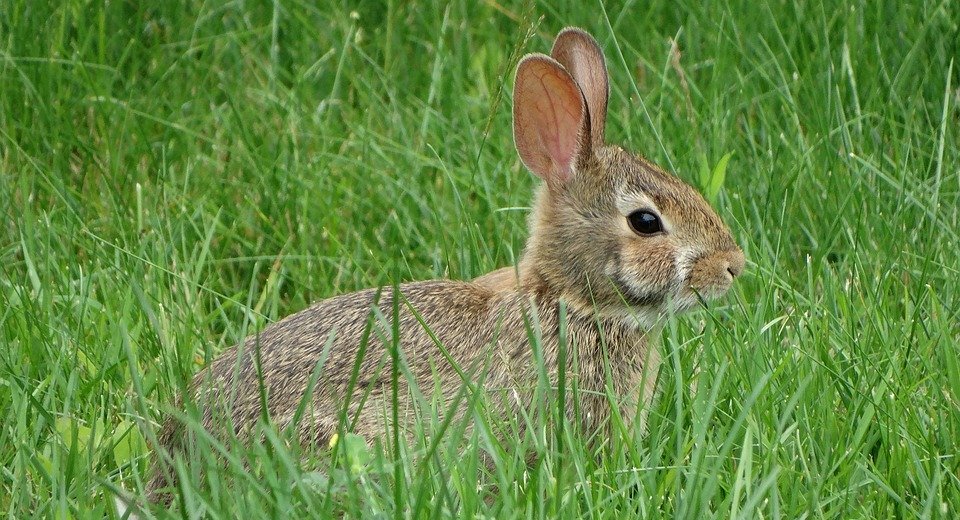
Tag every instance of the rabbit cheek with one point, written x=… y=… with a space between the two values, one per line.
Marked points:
x=645 y=271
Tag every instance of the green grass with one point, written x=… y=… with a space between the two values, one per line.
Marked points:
x=175 y=176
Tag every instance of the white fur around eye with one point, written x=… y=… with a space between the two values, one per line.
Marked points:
x=630 y=202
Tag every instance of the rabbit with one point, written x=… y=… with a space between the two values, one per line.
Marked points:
x=614 y=240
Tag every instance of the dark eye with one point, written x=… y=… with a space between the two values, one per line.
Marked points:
x=644 y=222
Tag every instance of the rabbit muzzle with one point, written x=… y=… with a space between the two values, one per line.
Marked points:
x=712 y=275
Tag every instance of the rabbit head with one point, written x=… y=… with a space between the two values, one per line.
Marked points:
x=612 y=233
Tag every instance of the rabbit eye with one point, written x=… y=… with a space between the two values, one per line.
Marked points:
x=644 y=222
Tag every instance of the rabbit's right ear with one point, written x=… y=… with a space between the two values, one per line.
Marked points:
x=551 y=127
x=580 y=54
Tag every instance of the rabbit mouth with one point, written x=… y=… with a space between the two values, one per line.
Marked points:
x=705 y=294
x=638 y=298
x=677 y=298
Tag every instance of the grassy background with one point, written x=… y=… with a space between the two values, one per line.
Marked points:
x=175 y=174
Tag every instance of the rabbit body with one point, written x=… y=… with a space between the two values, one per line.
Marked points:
x=615 y=241
x=485 y=331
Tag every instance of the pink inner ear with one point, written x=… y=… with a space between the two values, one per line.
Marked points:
x=549 y=116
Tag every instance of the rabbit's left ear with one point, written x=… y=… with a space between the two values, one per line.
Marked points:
x=551 y=126
x=582 y=57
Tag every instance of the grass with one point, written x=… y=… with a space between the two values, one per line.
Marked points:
x=176 y=175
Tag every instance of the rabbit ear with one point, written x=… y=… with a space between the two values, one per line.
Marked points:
x=579 y=53
x=551 y=127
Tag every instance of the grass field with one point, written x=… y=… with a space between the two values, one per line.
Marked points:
x=175 y=175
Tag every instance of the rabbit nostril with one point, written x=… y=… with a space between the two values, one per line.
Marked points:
x=734 y=264
x=734 y=270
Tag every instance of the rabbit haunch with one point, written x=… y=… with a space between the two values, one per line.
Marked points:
x=618 y=285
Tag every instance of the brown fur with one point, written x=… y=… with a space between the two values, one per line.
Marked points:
x=617 y=286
